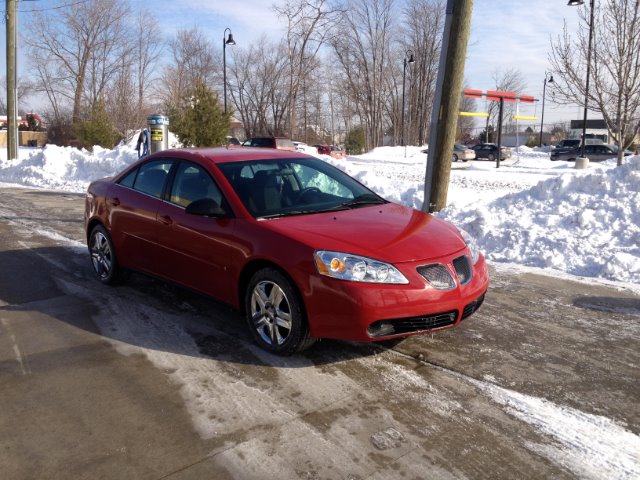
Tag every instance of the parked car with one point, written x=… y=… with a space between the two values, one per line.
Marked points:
x=593 y=152
x=575 y=142
x=338 y=152
x=462 y=152
x=490 y=151
x=232 y=140
x=300 y=146
x=280 y=143
x=323 y=149
x=303 y=250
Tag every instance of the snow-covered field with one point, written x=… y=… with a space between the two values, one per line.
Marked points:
x=530 y=212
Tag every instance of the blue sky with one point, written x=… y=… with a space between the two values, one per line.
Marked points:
x=505 y=34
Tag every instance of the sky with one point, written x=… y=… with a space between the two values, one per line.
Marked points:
x=505 y=34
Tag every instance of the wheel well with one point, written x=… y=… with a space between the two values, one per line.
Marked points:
x=90 y=226
x=256 y=265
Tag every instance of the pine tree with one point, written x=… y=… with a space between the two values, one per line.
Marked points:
x=201 y=122
x=97 y=129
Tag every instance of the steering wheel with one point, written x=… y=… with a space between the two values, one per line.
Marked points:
x=307 y=191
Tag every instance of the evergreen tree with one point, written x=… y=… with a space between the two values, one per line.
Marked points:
x=355 y=141
x=97 y=129
x=201 y=122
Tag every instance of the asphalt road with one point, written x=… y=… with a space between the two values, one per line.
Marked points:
x=150 y=381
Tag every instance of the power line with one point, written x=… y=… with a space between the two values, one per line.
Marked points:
x=35 y=10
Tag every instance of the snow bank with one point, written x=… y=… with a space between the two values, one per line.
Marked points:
x=585 y=224
x=65 y=168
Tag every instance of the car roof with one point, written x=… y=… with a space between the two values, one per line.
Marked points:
x=230 y=154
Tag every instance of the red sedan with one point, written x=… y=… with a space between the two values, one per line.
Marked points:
x=300 y=247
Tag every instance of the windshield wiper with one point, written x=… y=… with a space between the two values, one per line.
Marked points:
x=365 y=199
x=287 y=214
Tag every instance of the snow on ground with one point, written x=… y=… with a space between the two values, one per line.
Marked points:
x=591 y=446
x=530 y=212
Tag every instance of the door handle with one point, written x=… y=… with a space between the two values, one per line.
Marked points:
x=166 y=220
x=115 y=201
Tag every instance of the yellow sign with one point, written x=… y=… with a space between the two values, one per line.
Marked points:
x=156 y=135
x=522 y=117
x=474 y=114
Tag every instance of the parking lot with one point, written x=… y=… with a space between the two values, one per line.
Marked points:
x=148 y=380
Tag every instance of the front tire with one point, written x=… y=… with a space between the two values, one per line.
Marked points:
x=103 y=257
x=491 y=157
x=275 y=314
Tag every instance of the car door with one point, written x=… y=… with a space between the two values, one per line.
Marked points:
x=133 y=205
x=197 y=251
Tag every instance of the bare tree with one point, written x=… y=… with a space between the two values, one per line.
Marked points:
x=257 y=87
x=424 y=20
x=24 y=89
x=615 y=68
x=308 y=24
x=148 y=48
x=363 y=52
x=511 y=81
x=76 y=51
x=193 y=62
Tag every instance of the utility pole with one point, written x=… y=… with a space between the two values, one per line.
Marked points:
x=446 y=103
x=12 y=95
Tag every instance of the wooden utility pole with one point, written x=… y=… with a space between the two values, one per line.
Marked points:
x=446 y=104
x=12 y=96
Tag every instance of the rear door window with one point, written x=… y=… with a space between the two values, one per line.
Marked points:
x=152 y=177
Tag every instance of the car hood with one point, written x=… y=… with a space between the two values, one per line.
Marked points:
x=388 y=232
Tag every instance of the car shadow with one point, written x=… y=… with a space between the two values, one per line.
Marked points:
x=145 y=313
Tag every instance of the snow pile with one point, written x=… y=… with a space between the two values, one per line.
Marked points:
x=65 y=168
x=585 y=224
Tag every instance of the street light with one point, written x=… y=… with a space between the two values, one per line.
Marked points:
x=544 y=91
x=225 y=42
x=404 y=74
x=575 y=3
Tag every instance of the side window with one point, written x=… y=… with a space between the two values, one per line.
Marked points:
x=152 y=176
x=128 y=180
x=191 y=183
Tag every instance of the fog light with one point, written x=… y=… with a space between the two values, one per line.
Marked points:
x=380 y=329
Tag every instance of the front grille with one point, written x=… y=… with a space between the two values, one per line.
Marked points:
x=472 y=307
x=462 y=266
x=412 y=324
x=438 y=276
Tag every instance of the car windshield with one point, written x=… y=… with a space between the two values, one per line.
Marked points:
x=278 y=188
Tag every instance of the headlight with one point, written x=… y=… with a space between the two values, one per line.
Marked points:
x=356 y=268
x=471 y=243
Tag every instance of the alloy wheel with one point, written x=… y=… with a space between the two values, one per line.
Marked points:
x=101 y=255
x=271 y=313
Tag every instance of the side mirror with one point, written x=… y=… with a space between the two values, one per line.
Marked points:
x=205 y=207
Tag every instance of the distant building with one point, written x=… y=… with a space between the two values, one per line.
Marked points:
x=596 y=128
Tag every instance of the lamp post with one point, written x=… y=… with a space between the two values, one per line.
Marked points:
x=548 y=78
x=404 y=74
x=574 y=3
x=228 y=41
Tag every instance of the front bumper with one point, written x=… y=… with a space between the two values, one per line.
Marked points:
x=371 y=312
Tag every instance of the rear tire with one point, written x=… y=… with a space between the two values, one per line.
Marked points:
x=275 y=314
x=103 y=257
x=491 y=157
x=455 y=157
